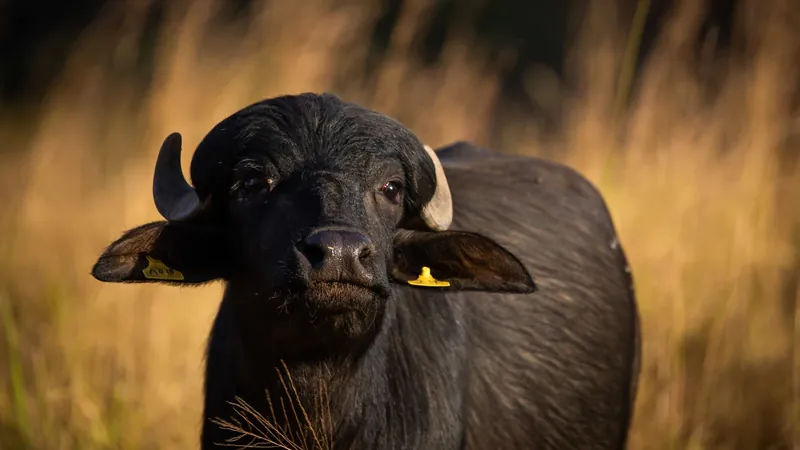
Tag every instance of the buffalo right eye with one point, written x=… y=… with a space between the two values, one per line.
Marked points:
x=252 y=187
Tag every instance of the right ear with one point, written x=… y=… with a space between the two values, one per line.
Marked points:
x=166 y=252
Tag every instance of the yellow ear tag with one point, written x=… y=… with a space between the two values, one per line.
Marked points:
x=425 y=279
x=156 y=270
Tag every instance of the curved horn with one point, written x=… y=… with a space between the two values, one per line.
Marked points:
x=174 y=198
x=438 y=212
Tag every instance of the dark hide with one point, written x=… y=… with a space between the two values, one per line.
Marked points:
x=556 y=369
x=533 y=345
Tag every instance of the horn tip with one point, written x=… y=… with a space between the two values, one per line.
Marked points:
x=174 y=138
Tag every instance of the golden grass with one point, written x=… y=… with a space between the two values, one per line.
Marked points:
x=252 y=429
x=700 y=187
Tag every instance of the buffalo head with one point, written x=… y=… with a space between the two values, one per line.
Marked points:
x=311 y=209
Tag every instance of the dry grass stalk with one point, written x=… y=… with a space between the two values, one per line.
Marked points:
x=315 y=433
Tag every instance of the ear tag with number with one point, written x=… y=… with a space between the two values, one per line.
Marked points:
x=157 y=270
x=425 y=279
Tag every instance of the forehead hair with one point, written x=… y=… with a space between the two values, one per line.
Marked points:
x=311 y=128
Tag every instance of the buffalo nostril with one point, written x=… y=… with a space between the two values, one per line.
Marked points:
x=314 y=254
x=365 y=252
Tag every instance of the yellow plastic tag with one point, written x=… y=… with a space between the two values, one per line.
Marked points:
x=425 y=279
x=156 y=270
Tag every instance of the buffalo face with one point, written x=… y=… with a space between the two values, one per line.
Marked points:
x=313 y=226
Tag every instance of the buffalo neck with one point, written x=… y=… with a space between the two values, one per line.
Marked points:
x=309 y=391
x=382 y=387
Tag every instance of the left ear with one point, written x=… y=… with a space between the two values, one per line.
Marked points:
x=467 y=261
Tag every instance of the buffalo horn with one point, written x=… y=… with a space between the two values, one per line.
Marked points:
x=175 y=199
x=438 y=212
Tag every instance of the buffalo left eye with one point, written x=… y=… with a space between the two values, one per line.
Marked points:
x=393 y=191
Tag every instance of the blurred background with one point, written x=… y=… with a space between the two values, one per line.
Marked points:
x=684 y=113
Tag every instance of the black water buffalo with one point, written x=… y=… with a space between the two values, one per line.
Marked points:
x=319 y=215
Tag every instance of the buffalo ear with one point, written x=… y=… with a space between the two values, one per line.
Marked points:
x=165 y=252
x=467 y=261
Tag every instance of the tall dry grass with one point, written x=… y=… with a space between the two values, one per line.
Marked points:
x=700 y=186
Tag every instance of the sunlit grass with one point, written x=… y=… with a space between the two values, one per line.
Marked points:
x=250 y=428
x=699 y=187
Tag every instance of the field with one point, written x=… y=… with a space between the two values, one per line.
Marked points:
x=703 y=190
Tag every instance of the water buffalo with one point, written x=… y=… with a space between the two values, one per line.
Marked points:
x=390 y=297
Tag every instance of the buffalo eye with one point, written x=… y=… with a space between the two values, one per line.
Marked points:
x=252 y=187
x=393 y=190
